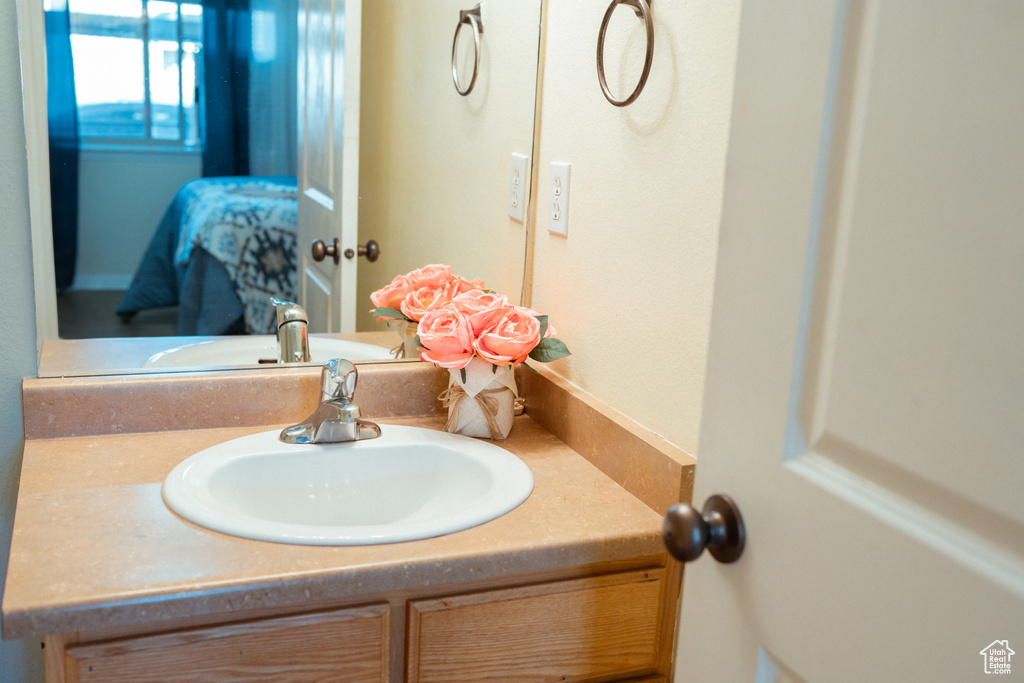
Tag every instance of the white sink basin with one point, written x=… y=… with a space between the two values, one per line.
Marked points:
x=408 y=484
x=250 y=350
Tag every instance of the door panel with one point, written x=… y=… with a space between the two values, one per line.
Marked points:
x=316 y=293
x=924 y=257
x=319 y=96
x=864 y=403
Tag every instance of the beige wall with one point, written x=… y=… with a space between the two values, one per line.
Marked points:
x=434 y=165
x=122 y=196
x=630 y=288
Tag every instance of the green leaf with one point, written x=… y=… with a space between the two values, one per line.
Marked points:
x=494 y=369
x=530 y=368
x=543 y=324
x=462 y=371
x=549 y=349
x=390 y=312
x=417 y=341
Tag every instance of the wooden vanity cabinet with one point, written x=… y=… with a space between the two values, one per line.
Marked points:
x=607 y=627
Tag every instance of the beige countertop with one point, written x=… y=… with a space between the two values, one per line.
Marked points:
x=94 y=546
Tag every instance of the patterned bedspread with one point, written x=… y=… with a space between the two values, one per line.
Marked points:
x=237 y=230
x=248 y=225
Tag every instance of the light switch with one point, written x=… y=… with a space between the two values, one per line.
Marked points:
x=558 y=198
x=517 y=187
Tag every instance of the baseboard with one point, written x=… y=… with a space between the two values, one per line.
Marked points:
x=101 y=282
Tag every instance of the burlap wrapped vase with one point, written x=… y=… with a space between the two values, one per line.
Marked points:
x=483 y=404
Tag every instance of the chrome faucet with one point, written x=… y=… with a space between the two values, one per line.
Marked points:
x=337 y=417
x=292 y=341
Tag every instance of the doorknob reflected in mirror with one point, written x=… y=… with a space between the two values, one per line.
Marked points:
x=371 y=250
x=719 y=528
x=322 y=250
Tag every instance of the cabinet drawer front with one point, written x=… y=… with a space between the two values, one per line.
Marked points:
x=342 y=645
x=570 y=630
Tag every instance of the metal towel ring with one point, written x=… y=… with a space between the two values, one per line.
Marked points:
x=471 y=17
x=643 y=10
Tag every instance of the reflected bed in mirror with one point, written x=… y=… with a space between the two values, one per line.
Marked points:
x=223 y=247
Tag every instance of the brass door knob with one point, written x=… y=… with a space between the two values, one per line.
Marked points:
x=322 y=250
x=719 y=528
x=371 y=250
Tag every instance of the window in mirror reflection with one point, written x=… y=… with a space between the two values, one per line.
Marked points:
x=136 y=66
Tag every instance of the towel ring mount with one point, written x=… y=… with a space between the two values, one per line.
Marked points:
x=473 y=19
x=643 y=10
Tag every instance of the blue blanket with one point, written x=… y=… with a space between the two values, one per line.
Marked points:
x=223 y=247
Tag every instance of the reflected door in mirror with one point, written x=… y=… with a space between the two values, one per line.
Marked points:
x=325 y=102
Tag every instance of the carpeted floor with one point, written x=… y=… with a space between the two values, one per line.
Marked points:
x=89 y=314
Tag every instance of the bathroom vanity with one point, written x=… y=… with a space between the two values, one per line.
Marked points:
x=573 y=584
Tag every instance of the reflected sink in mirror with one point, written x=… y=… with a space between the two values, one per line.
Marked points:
x=408 y=484
x=251 y=350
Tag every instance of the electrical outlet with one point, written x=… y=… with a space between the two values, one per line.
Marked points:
x=517 y=188
x=558 y=198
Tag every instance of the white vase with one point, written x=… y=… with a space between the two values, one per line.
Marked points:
x=483 y=404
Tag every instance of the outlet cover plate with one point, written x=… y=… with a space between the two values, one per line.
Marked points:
x=558 y=198
x=517 y=187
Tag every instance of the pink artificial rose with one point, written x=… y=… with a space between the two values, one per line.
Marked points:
x=459 y=285
x=416 y=303
x=446 y=338
x=392 y=295
x=510 y=340
x=433 y=274
x=483 y=309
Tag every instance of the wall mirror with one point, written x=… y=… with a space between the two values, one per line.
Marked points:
x=176 y=175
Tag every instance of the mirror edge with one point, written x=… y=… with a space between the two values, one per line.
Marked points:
x=31 y=31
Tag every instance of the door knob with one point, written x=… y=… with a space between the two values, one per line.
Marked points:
x=321 y=250
x=719 y=528
x=371 y=250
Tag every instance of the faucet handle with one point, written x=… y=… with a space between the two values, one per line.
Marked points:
x=337 y=417
x=338 y=380
x=288 y=311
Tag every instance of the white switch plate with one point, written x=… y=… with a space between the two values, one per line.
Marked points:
x=558 y=198
x=517 y=187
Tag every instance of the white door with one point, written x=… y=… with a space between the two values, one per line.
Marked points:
x=328 y=177
x=864 y=401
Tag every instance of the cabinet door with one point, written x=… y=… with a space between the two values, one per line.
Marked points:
x=605 y=626
x=345 y=645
